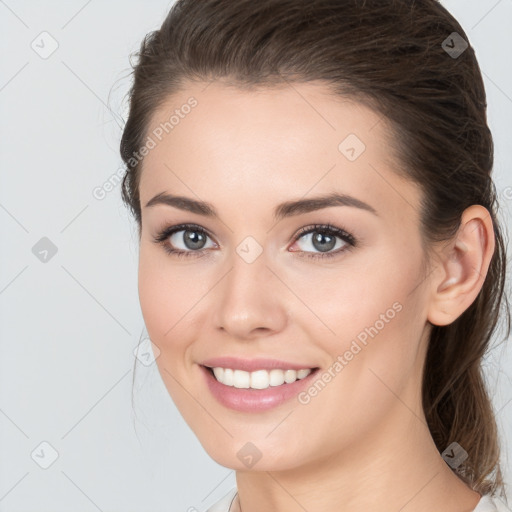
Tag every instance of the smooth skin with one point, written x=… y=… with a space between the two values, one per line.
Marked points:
x=362 y=443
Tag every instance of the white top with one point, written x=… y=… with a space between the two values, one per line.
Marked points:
x=486 y=504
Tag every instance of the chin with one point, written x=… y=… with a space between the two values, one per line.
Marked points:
x=244 y=455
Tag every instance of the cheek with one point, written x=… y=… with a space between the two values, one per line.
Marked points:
x=170 y=299
x=373 y=317
x=159 y=290
x=152 y=297
x=356 y=295
x=167 y=301
x=373 y=361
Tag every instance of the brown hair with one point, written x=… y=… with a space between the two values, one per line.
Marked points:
x=394 y=56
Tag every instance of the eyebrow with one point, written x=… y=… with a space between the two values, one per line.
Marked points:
x=286 y=209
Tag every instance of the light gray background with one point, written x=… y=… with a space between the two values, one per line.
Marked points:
x=69 y=326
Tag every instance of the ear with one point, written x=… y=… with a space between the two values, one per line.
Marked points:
x=462 y=267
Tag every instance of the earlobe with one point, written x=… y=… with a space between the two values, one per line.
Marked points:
x=463 y=267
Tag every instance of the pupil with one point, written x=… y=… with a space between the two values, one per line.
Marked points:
x=193 y=239
x=320 y=244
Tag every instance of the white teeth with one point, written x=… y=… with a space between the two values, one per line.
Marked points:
x=259 y=379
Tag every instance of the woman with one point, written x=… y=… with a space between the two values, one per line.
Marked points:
x=321 y=265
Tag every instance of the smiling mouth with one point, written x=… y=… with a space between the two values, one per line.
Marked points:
x=259 y=379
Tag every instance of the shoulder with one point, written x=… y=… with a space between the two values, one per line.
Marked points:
x=491 y=504
x=224 y=503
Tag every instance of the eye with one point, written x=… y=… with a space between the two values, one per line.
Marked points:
x=191 y=237
x=323 y=238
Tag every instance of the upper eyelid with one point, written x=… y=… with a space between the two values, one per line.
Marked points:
x=337 y=231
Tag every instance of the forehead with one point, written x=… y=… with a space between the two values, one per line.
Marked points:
x=269 y=144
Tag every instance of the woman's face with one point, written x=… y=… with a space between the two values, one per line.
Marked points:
x=251 y=286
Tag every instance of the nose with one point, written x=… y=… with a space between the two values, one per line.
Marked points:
x=250 y=300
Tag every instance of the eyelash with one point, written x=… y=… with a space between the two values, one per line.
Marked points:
x=326 y=229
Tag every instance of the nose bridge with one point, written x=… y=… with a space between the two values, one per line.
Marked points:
x=249 y=298
x=247 y=283
x=248 y=263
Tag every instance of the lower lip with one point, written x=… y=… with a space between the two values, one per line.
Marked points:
x=254 y=400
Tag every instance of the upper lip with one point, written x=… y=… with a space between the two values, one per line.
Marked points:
x=250 y=365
